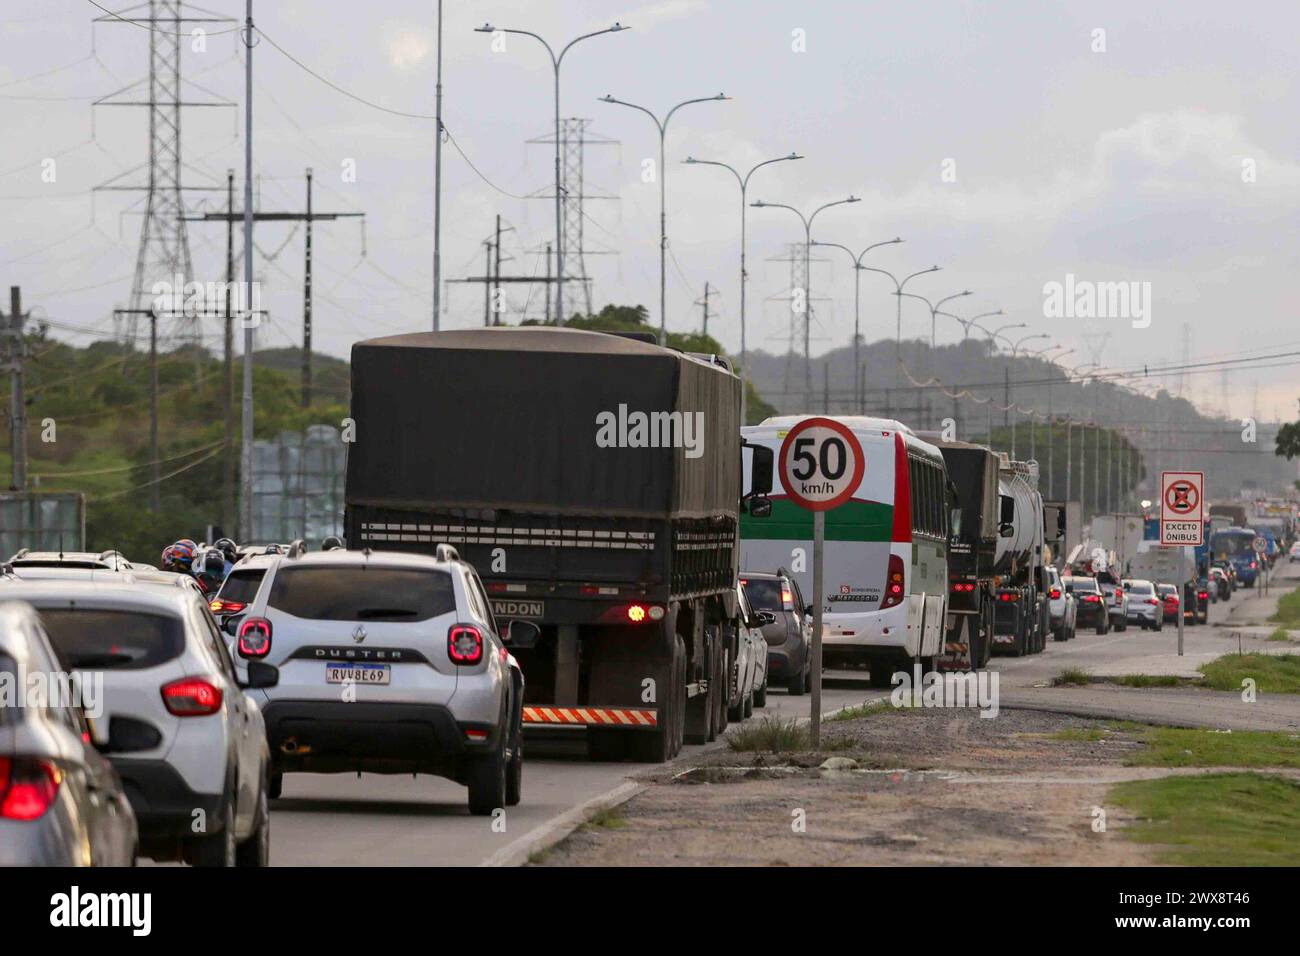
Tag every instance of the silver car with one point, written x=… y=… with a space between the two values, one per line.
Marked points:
x=61 y=803
x=1145 y=606
x=389 y=663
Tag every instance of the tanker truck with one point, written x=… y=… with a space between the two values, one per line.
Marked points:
x=1020 y=611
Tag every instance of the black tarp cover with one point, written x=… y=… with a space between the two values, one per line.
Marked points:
x=506 y=418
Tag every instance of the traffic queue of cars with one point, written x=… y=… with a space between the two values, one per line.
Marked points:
x=336 y=661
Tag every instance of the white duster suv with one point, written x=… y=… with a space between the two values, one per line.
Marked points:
x=389 y=663
x=183 y=734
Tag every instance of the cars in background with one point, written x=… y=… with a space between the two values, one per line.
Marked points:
x=240 y=586
x=186 y=740
x=776 y=598
x=1196 y=603
x=1168 y=595
x=1220 y=583
x=1062 y=607
x=749 y=671
x=1294 y=552
x=389 y=663
x=1116 y=599
x=61 y=802
x=1092 y=610
x=72 y=560
x=1144 y=605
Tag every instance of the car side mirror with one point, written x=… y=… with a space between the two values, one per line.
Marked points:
x=808 y=611
x=1006 y=509
x=766 y=617
x=261 y=676
x=231 y=625
x=1006 y=530
x=760 y=507
x=519 y=633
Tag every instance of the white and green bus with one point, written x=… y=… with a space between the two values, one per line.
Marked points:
x=886 y=552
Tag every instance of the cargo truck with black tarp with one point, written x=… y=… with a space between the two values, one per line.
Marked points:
x=594 y=482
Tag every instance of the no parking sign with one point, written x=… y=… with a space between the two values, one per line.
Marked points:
x=1182 y=507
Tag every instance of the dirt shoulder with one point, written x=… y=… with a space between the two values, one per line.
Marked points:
x=930 y=788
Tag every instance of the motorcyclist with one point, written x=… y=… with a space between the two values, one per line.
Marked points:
x=332 y=543
x=209 y=569
x=179 y=557
x=228 y=549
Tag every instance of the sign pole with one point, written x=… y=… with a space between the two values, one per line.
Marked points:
x=821 y=464
x=819 y=547
x=1182 y=611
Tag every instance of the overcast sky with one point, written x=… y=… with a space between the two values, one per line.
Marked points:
x=1171 y=157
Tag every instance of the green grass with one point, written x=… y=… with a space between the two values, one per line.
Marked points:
x=770 y=735
x=1239 y=819
x=873 y=709
x=1186 y=747
x=1149 y=680
x=1281 y=634
x=605 y=818
x=1088 y=735
x=1072 y=677
x=1288 y=610
x=1272 y=673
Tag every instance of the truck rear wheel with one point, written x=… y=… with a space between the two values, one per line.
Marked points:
x=662 y=744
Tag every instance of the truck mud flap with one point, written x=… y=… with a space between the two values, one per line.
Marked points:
x=626 y=717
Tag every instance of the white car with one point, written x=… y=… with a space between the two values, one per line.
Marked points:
x=1061 y=606
x=749 y=671
x=389 y=663
x=187 y=741
x=1145 y=606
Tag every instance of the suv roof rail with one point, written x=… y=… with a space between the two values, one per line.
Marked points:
x=445 y=552
x=22 y=553
x=297 y=548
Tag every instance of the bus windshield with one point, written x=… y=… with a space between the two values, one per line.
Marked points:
x=1230 y=544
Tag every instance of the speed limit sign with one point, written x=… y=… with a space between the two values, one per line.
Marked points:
x=821 y=464
x=1260 y=544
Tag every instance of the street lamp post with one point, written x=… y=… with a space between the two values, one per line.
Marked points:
x=807 y=269
x=744 y=206
x=934 y=311
x=662 y=126
x=898 y=329
x=559 y=187
x=966 y=324
x=857 y=298
x=997 y=334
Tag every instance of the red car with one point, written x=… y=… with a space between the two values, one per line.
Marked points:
x=1169 y=598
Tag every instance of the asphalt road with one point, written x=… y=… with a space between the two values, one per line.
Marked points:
x=347 y=820
x=342 y=820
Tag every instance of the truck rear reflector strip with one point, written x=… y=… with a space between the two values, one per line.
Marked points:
x=591 y=716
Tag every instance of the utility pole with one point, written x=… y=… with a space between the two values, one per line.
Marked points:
x=492 y=279
x=228 y=521
x=547 y=287
x=437 y=184
x=307 y=217
x=17 y=354
x=704 y=303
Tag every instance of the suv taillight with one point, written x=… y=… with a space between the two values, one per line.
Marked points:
x=895 y=583
x=787 y=599
x=254 y=637
x=465 y=644
x=218 y=606
x=1054 y=593
x=191 y=697
x=27 y=787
